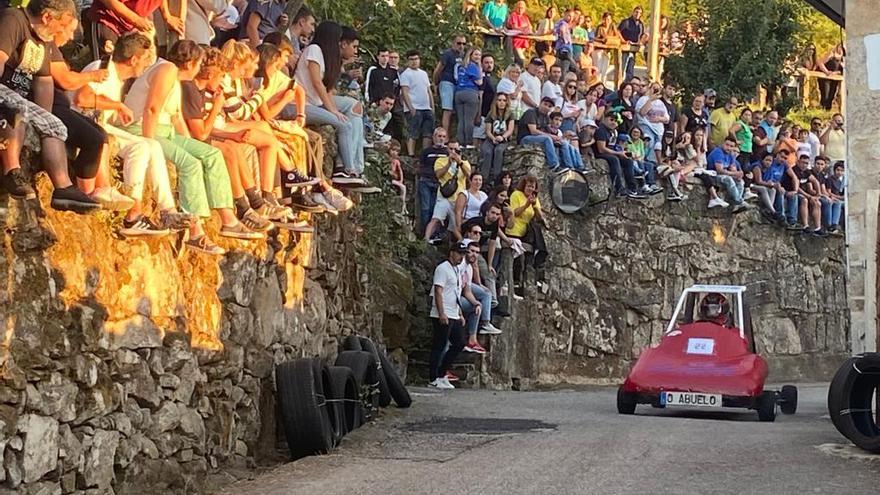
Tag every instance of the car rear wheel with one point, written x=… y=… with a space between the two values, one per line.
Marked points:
x=788 y=399
x=767 y=406
x=626 y=402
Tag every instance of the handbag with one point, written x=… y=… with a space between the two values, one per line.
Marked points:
x=448 y=188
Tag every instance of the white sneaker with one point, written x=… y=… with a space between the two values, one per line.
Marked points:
x=442 y=384
x=111 y=199
x=338 y=200
x=718 y=202
x=749 y=195
x=320 y=199
x=489 y=329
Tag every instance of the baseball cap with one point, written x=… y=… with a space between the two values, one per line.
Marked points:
x=468 y=242
x=590 y=122
x=461 y=247
x=537 y=61
x=548 y=99
x=709 y=93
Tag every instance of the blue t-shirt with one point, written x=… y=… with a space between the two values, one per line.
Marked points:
x=467 y=77
x=449 y=59
x=727 y=161
x=497 y=14
x=775 y=172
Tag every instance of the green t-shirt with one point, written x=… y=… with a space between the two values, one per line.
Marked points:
x=744 y=136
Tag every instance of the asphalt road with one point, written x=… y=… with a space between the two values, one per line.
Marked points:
x=574 y=442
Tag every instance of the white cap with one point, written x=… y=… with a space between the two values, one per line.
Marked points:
x=590 y=122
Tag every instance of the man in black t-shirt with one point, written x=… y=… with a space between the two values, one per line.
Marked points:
x=671 y=108
x=486 y=230
x=26 y=86
x=427 y=179
x=802 y=198
x=382 y=80
x=608 y=149
x=530 y=130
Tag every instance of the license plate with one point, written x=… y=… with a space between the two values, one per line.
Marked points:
x=689 y=399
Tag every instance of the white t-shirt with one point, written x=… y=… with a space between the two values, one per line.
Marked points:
x=815 y=146
x=311 y=53
x=588 y=113
x=508 y=87
x=109 y=88
x=418 y=83
x=447 y=276
x=552 y=90
x=658 y=109
x=531 y=87
x=466 y=272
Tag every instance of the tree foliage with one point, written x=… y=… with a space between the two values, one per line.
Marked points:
x=745 y=43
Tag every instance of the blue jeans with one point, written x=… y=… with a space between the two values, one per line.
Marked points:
x=571 y=156
x=568 y=125
x=484 y=297
x=734 y=187
x=831 y=210
x=349 y=135
x=447 y=96
x=427 y=198
x=549 y=148
x=647 y=168
x=617 y=164
x=779 y=203
x=792 y=208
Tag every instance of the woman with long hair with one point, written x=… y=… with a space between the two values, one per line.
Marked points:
x=318 y=70
x=570 y=110
x=604 y=32
x=625 y=107
x=741 y=130
x=467 y=94
x=525 y=225
x=545 y=26
x=469 y=201
x=499 y=130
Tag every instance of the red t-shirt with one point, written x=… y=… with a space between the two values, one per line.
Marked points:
x=519 y=22
x=102 y=14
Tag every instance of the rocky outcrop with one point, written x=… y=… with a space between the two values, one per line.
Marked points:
x=131 y=367
x=616 y=271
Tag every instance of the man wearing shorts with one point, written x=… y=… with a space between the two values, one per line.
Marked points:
x=418 y=102
x=444 y=78
x=448 y=168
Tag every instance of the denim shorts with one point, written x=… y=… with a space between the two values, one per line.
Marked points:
x=447 y=95
x=421 y=124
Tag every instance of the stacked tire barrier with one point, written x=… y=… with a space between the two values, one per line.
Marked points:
x=321 y=404
x=853 y=401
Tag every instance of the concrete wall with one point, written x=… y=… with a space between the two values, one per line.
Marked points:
x=863 y=156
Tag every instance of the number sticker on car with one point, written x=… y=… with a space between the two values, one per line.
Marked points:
x=705 y=347
x=689 y=399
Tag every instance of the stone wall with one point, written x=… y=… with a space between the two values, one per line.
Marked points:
x=616 y=271
x=128 y=367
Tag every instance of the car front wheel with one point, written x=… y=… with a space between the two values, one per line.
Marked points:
x=626 y=402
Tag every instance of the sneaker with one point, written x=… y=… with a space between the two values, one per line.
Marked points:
x=748 y=195
x=698 y=172
x=320 y=200
x=365 y=189
x=715 y=202
x=175 y=220
x=636 y=195
x=451 y=377
x=442 y=384
x=654 y=189
x=500 y=312
x=819 y=233
x=517 y=297
x=142 y=227
x=111 y=199
x=475 y=348
x=240 y=231
x=273 y=213
x=344 y=178
x=384 y=138
x=338 y=200
x=664 y=171
x=561 y=169
x=253 y=221
x=294 y=179
x=16 y=184
x=204 y=245
x=72 y=199
x=674 y=197
x=294 y=225
x=304 y=202
x=795 y=227
x=368 y=145
x=645 y=190
x=740 y=207
x=435 y=241
x=489 y=329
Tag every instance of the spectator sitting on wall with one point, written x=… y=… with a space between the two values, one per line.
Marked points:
x=477 y=320
x=766 y=174
x=619 y=161
x=378 y=117
x=469 y=201
x=833 y=203
x=451 y=172
x=447 y=321
x=486 y=229
x=797 y=211
x=811 y=190
x=566 y=148
x=532 y=130
x=526 y=226
x=728 y=174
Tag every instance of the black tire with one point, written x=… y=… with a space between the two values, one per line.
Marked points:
x=789 y=399
x=384 y=394
x=363 y=365
x=852 y=401
x=396 y=387
x=345 y=390
x=352 y=343
x=626 y=402
x=305 y=415
x=767 y=406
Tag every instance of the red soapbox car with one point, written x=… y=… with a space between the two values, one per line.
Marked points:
x=705 y=362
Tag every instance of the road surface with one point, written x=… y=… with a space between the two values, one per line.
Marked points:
x=574 y=442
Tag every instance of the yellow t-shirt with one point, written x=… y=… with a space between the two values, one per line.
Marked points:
x=519 y=224
x=463 y=170
x=721 y=121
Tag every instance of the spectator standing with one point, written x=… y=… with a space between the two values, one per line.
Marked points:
x=741 y=130
x=519 y=21
x=831 y=64
x=606 y=34
x=551 y=88
x=302 y=27
x=447 y=321
x=767 y=132
x=260 y=18
x=397 y=178
x=511 y=85
x=531 y=84
x=113 y=18
x=668 y=99
x=728 y=173
x=525 y=226
x=619 y=162
x=469 y=201
x=721 y=119
x=710 y=95
x=632 y=30
x=487 y=96
x=26 y=86
x=198 y=19
x=545 y=27
x=467 y=95
x=813 y=138
x=695 y=117
x=652 y=117
x=451 y=173
x=623 y=106
x=427 y=181
x=381 y=79
x=318 y=71
x=495 y=13
x=415 y=89
x=564 y=46
x=833 y=138
x=444 y=78
x=499 y=126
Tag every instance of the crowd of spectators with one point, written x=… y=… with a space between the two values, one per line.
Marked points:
x=227 y=103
